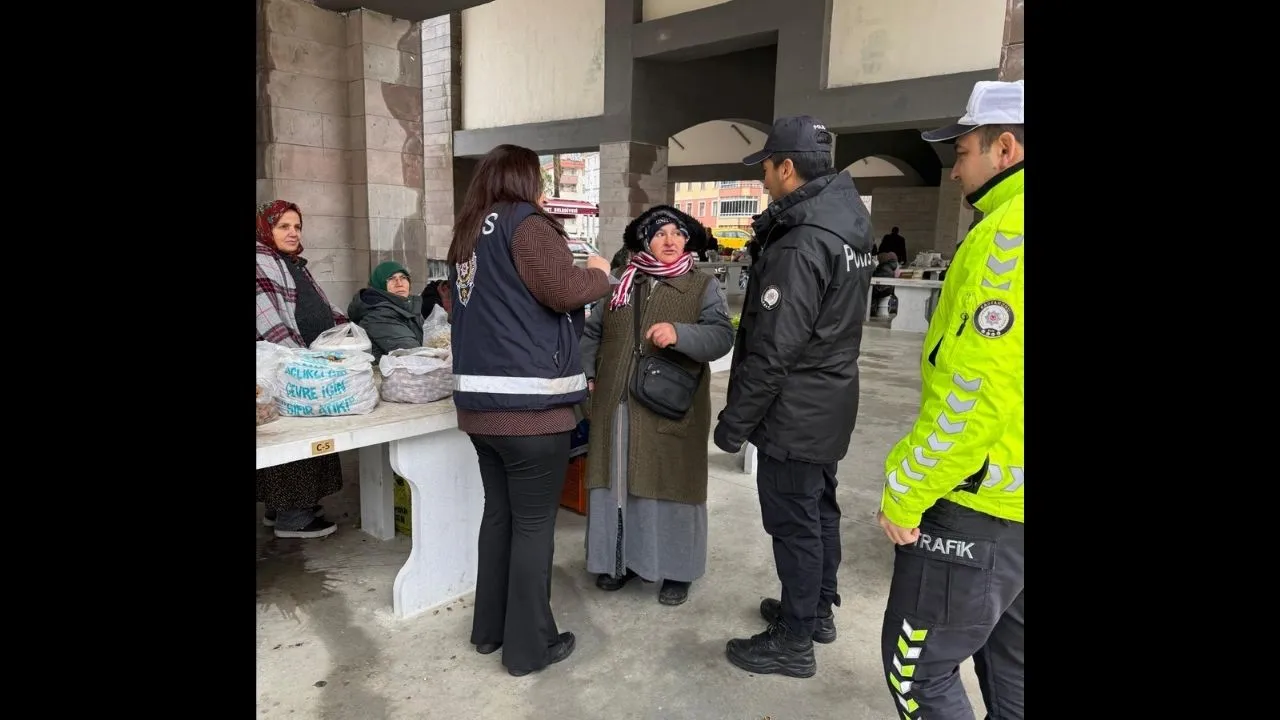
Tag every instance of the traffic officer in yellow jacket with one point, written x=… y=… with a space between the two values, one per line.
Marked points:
x=952 y=499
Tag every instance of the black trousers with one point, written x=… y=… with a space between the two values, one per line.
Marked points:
x=799 y=510
x=523 y=477
x=956 y=593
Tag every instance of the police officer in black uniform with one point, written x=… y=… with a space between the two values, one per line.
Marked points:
x=793 y=388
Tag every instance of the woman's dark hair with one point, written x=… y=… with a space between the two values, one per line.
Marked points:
x=508 y=174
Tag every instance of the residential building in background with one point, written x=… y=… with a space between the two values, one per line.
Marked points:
x=727 y=204
x=568 y=201
x=591 y=193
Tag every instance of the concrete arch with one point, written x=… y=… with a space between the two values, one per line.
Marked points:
x=904 y=149
x=881 y=166
x=716 y=142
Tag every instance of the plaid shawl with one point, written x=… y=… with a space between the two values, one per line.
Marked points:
x=277 y=296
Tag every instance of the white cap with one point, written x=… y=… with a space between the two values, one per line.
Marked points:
x=991 y=103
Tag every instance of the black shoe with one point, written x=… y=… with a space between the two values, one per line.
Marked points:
x=673 y=593
x=609 y=583
x=486 y=648
x=269 y=517
x=824 y=631
x=558 y=652
x=317 y=528
x=774 y=651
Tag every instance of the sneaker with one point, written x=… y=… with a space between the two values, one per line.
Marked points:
x=317 y=528
x=775 y=650
x=269 y=517
x=824 y=631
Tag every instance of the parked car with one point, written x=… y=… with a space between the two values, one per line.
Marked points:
x=581 y=248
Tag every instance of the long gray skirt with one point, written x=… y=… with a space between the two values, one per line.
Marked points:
x=658 y=539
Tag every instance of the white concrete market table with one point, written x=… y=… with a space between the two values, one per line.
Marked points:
x=423 y=445
x=916 y=300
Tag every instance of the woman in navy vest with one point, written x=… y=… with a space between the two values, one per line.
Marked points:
x=517 y=315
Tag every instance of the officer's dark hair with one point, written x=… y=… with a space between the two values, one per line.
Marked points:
x=988 y=134
x=507 y=174
x=808 y=165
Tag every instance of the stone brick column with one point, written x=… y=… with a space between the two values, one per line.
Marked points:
x=633 y=178
x=953 y=216
x=385 y=99
x=303 y=138
x=441 y=116
x=1011 y=53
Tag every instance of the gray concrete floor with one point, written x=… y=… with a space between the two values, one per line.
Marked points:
x=328 y=646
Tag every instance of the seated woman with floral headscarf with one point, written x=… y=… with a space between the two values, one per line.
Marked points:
x=388 y=310
x=292 y=311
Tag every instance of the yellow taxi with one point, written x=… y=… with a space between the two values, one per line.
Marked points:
x=732 y=238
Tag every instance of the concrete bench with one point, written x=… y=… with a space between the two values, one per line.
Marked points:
x=916 y=300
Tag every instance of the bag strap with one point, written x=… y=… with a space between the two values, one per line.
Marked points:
x=637 y=307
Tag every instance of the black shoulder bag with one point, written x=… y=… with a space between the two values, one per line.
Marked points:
x=658 y=383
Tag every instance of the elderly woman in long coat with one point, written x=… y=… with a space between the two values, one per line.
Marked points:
x=646 y=474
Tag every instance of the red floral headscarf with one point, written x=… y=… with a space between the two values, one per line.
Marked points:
x=268 y=215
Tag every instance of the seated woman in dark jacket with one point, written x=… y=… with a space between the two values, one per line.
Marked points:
x=388 y=311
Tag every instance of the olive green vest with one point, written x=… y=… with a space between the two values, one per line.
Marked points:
x=666 y=459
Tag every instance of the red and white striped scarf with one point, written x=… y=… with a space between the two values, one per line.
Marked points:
x=649 y=265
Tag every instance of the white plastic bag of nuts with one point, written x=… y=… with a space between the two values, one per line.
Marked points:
x=436 y=332
x=269 y=358
x=347 y=336
x=318 y=383
x=266 y=406
x=416 y=375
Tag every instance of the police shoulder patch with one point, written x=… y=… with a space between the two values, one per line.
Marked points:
x=993 y=318
x=466 y=278
x=770 y=297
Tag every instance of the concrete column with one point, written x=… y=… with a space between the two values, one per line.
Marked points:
x=633 y=178
x=302 y=137
x=446 y=176
x=953 y=216
x=385 y=99
x=1011 y=53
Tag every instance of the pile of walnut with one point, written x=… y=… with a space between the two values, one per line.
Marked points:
x=438 y=340
x=266 y=407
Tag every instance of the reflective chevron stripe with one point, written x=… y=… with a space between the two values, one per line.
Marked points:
x=910 y=646
x=1007 y=243
x=1002 y=267
x=959 y=405
x=922 y=459
x=937 y=446
x=995 y=476
x=948 y=427
x=1017 y=479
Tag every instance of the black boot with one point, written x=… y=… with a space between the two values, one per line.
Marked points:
x=776 y=650
x=561 y=650
x=673 y=592
x=824 y=631
x=607 y=582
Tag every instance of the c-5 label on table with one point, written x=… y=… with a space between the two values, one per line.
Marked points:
x=322 y=447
